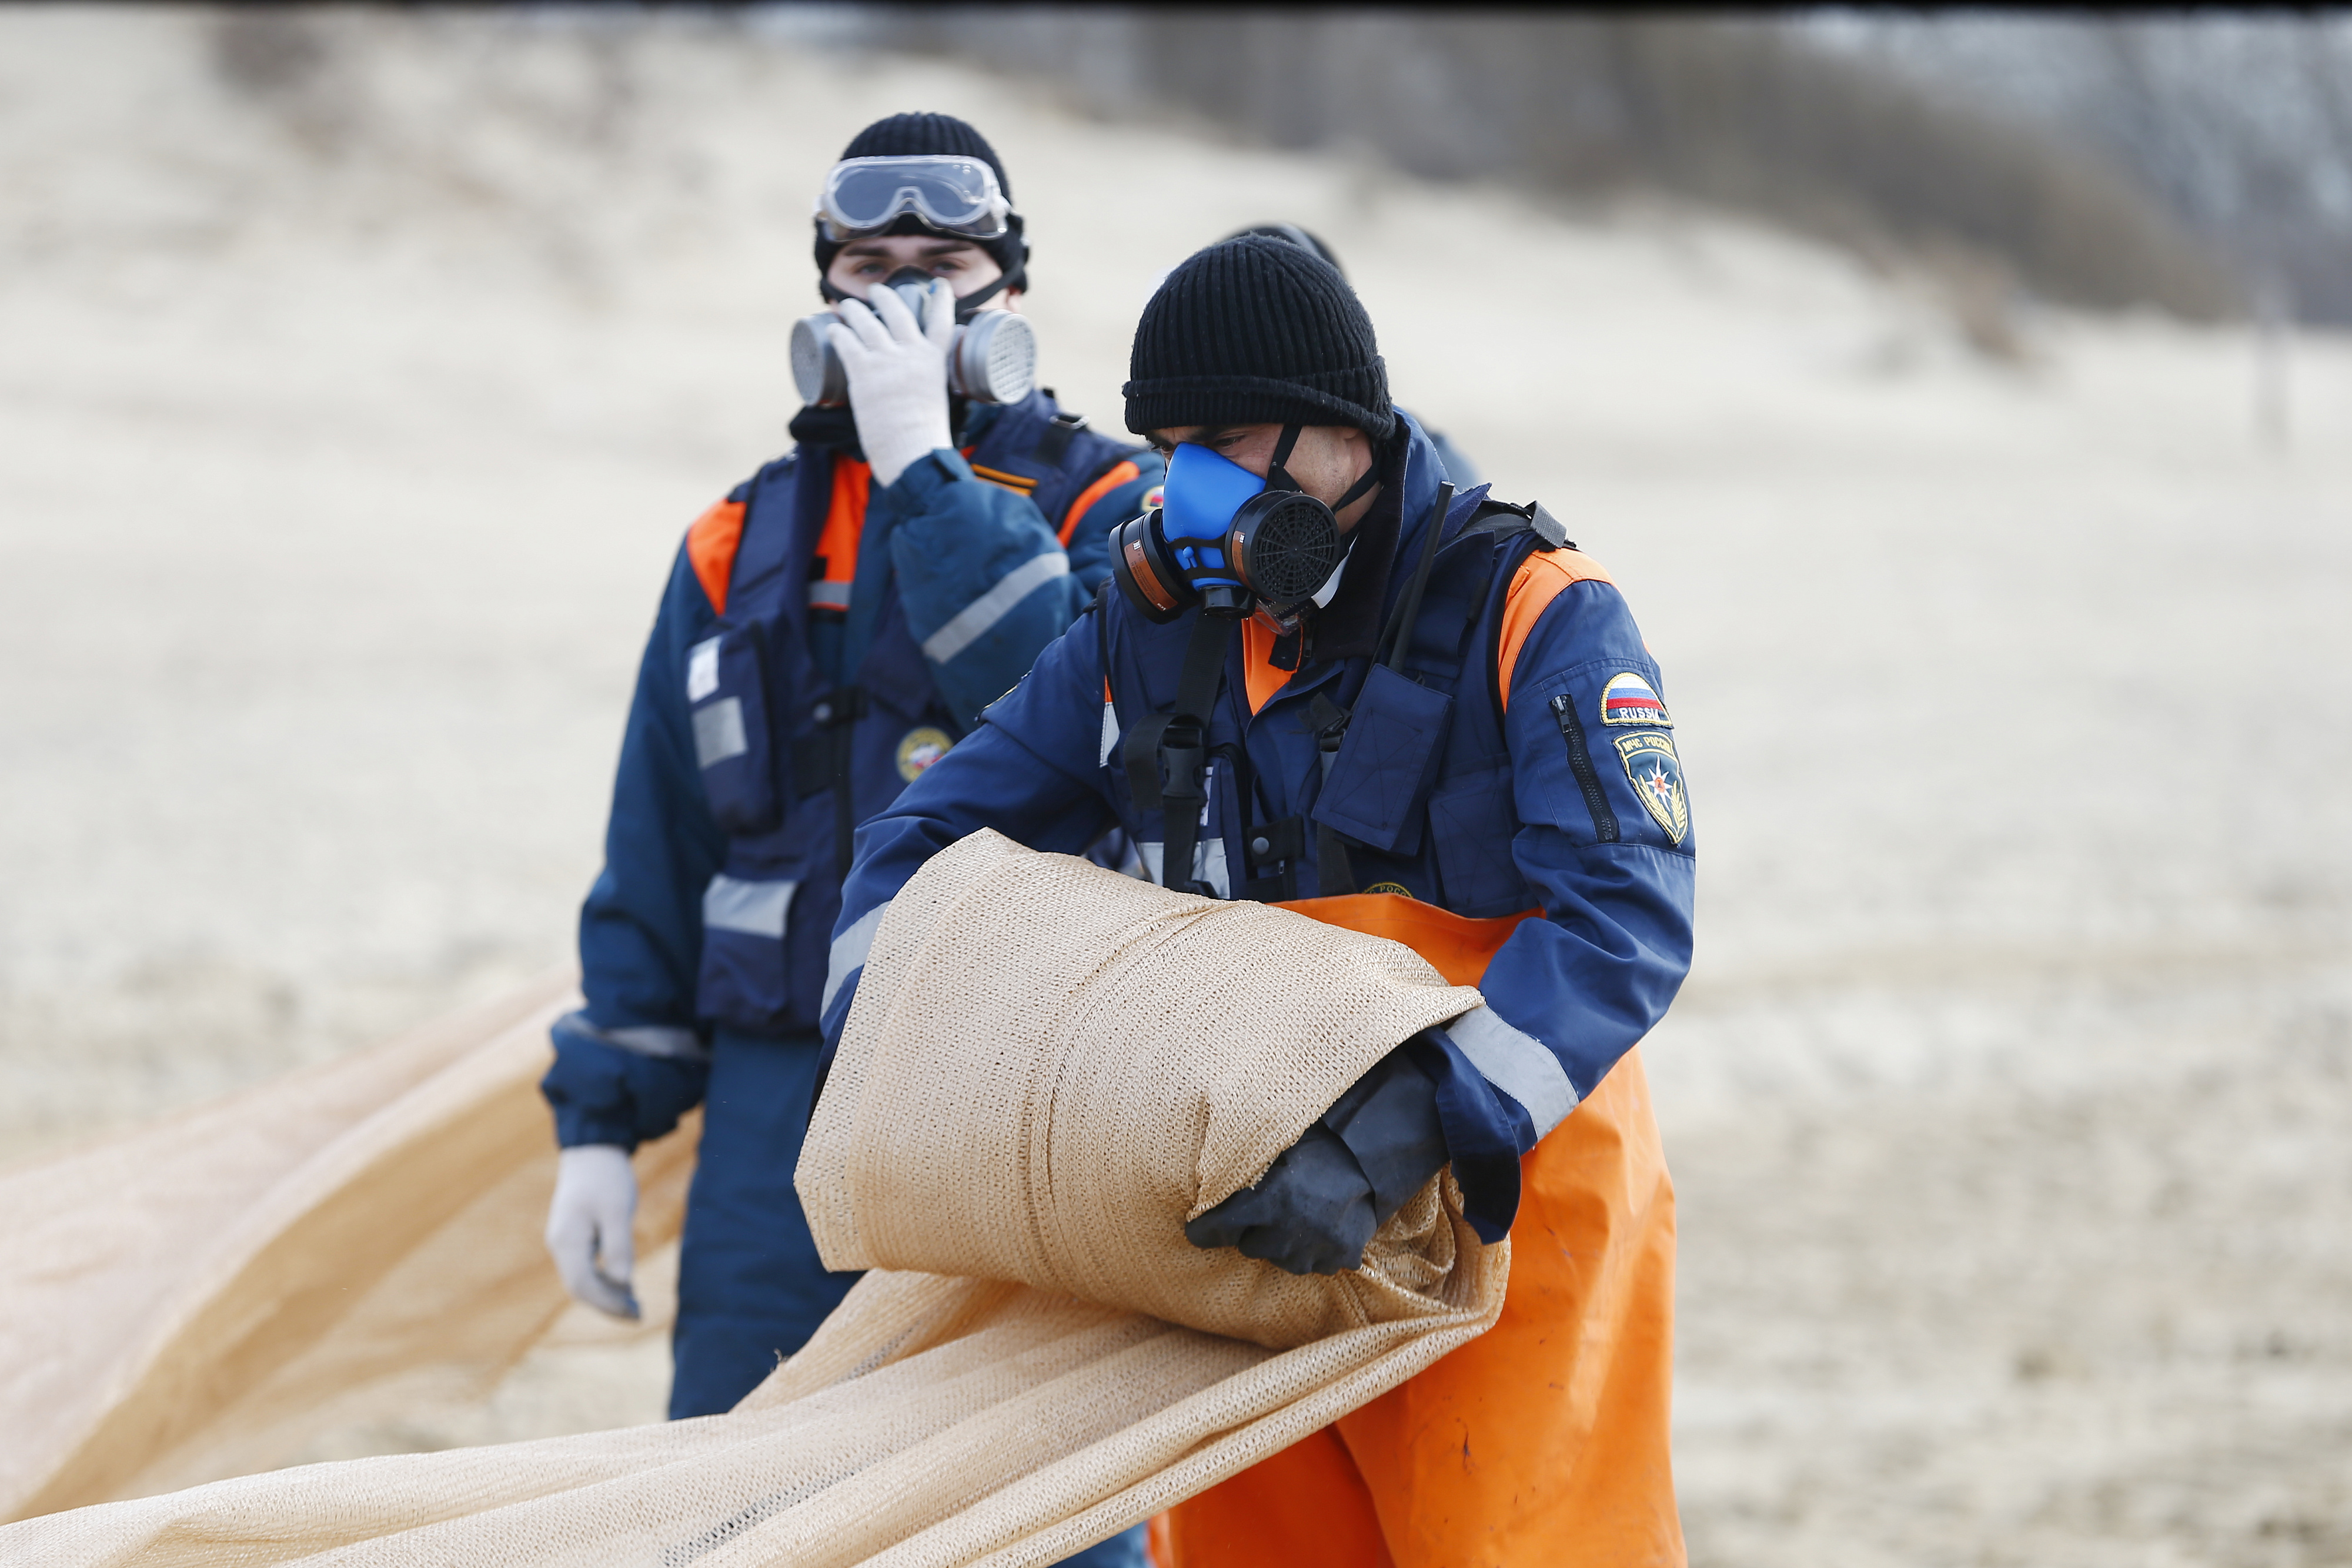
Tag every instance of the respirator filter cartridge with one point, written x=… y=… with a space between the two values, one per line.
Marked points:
x=993 y=358
x=1225 y=541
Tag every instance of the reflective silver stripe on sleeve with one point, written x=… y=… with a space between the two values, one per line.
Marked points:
x=1208 y=864
x=702 y=669
x=1109 y=734
x=1518 y=1064
x=718 y=732
x=848 y=953
x=973 y=622
x=653 y=1039
x=753 y=908
x=825 y=595
x=644 y=1039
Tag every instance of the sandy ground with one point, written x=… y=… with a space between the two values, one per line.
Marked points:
x=348 y=416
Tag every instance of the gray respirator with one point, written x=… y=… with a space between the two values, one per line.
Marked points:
x=993 y=358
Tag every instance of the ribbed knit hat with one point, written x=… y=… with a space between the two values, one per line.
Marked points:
x=1306 y=239
x=1256 y=330
x=909 y=135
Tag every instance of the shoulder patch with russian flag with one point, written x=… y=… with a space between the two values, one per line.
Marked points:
x=1629 y=698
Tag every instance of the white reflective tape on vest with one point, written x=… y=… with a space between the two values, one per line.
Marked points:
x=753 y=908
x=825 y=594
x=702 y=669
x=658 y=1039
x=1518 y=1064
x=1208 y=864
x=718 y=732
x=973 y=622
x=848 y=955
x=1109 y=734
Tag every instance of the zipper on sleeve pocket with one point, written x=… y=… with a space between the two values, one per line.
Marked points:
x=1580 y=762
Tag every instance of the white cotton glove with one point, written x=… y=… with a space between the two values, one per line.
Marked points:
x=596 y=1205
x=897 y=376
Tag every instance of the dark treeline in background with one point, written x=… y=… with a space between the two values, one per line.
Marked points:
x=2240 y=123
x=2088 y=161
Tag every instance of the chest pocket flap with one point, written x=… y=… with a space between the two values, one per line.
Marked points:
x=1381 y=779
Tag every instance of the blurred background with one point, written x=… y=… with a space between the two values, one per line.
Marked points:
x=1963 y=400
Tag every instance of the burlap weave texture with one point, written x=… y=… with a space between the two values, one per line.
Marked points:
x=1109 y=1089
x=1047 y=1070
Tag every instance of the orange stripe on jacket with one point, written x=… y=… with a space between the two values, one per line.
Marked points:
x=998 y=477
x=710 y=545
x=1542 y=1443
x=1118 y=475
x=1540 y=579
x=845 y=520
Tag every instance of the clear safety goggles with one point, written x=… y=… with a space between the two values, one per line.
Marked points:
x=955 y=195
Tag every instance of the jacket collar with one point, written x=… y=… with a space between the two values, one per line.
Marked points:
x=1349 y=626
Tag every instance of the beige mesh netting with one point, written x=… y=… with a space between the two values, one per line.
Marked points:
x=197 y=1297
x=1049 y=1067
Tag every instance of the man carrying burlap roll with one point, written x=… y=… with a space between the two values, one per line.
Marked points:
x=1327 y=682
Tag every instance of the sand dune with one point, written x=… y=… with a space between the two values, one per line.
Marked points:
x=356 y=382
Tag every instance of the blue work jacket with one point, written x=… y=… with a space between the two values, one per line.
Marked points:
x=777 y=705
x=1514 y=755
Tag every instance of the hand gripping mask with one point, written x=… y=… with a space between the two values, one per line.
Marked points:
x=1228 y=540
x=993 y=358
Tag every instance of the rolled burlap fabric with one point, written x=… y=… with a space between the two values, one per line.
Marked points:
x=1048 y=1068
x=1049 y=1106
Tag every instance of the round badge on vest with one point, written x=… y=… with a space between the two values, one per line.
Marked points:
x=922 y=747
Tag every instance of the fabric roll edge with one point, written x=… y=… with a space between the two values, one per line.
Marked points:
x=998 y=1012
x=939 y=1420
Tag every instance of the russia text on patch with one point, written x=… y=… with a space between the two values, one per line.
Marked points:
x=1630 y=699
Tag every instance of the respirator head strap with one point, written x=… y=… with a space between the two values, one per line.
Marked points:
x=1277 y=475
x=967 y=306
x=1366 y=483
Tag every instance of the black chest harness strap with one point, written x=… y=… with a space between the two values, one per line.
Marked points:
x=1179 y=742
x=822 y=759
x=1334 y=876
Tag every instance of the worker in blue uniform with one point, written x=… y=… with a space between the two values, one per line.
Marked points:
x=831 y=629
x=1326 y=680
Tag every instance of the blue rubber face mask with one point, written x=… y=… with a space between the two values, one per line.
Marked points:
x=1227 y=541
x=1203 y=493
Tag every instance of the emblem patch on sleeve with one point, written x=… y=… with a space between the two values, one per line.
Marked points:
x=1657 y=776
x=919 y=749
x=1630 y=699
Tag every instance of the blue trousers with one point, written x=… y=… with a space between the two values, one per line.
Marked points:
x=750 y=1287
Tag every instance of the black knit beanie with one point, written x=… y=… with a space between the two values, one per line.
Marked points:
x=1305 y=239
x=1256 y=330
x=909 y=135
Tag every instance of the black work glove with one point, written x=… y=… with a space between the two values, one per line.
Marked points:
x=1315 y=1208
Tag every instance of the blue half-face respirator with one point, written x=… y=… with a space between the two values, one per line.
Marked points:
x=1228 y=540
